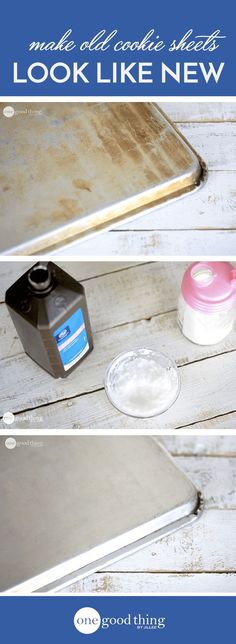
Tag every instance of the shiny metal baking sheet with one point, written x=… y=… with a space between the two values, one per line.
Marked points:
x=68 y=170
x=71 y=505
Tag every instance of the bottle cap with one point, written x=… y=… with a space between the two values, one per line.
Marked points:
x=209 y=286
x=39 y=277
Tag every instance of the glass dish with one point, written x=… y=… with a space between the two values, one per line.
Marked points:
x=142 y=383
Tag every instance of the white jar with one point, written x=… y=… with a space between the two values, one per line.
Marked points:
x=207 y=302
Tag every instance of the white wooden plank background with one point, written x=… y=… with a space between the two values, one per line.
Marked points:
x=202 y=223
x=130 y=305
x=199 y=558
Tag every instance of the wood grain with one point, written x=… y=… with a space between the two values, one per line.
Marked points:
x=157 y=583
x=197 y=112
x=186 y=445
x=159 y=243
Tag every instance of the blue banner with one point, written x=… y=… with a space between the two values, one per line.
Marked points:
x=114 y=619
x=122 y=49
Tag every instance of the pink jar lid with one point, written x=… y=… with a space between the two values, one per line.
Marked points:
x=209 y=286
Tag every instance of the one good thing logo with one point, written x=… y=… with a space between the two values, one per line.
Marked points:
x=10 y=443
x=87 y=620
x=8 y=111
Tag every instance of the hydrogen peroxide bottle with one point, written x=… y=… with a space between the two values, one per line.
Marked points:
x=49 y=310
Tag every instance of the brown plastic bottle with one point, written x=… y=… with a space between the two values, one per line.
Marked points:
x=49 y=310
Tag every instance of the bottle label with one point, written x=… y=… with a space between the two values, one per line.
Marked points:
x=72 y=340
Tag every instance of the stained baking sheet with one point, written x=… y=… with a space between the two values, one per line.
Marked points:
x=70 y=505
x=68 y=170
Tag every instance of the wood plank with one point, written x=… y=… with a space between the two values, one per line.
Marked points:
x=214 y=476
x=221 y=394
x=200 y=445
x=227 y=421
x=82 y=270
x=203 y=396
x=94 y=411
x=208 y=545
x=215 y=142
x=158 y=243
x=197 y=111
x=213 y=206
x=26 y=386
x=157 y=583
x=207 y=390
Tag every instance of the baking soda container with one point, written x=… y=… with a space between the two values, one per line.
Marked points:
x=207 y=302
x=48 y=308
